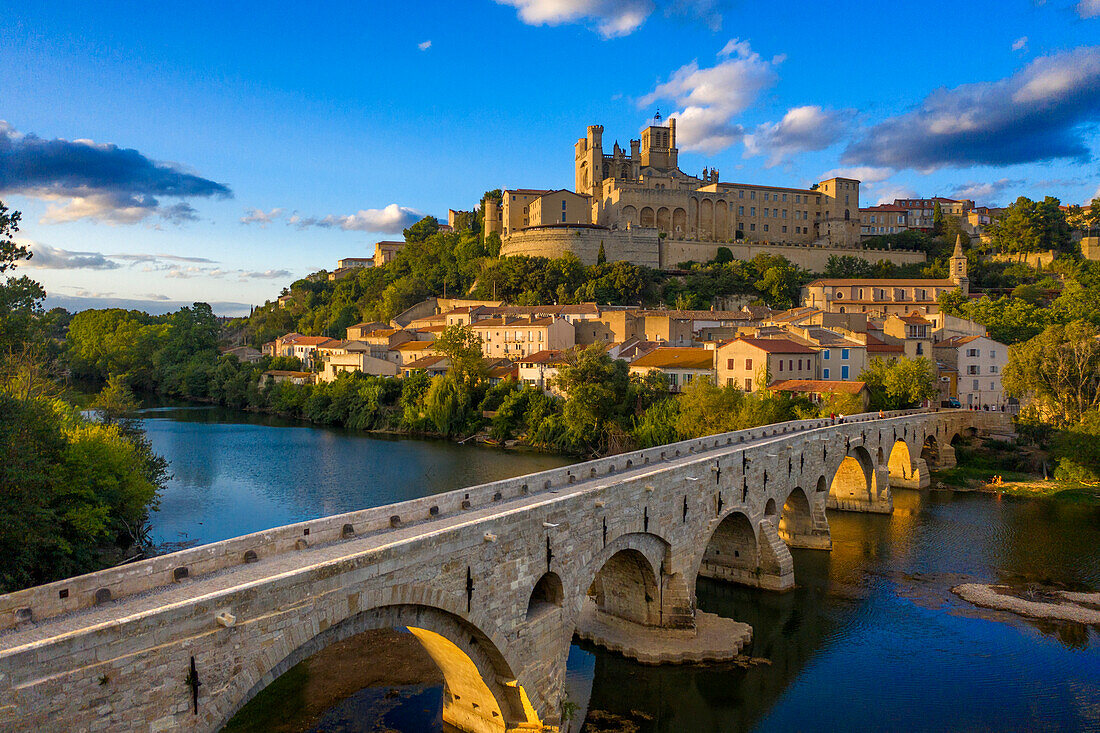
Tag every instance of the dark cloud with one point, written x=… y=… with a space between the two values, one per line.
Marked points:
x=98 y=181
x=1042 y=112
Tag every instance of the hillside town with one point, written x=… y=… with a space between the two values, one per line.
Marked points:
x=817 y=349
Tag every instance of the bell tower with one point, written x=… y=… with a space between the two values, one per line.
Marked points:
x=958 y=267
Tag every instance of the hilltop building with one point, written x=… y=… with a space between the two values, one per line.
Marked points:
x=639 y=206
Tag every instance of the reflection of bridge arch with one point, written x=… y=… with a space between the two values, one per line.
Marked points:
x=480 y=692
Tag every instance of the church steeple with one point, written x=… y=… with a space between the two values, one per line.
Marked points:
x=958 y=267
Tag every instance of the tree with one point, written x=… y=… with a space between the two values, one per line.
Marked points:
x=1030 y=226
x=1057 y=372
x=10 y=252
x=601 y=257
x=937 y=219
x=899 y=384
x=115 y=402
x=723 y=255
x=596 y=388
x=421 y=230
x=462 y=346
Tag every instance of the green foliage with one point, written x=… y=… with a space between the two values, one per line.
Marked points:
x=601 y=257
x=899 y=384
x=1058 y=372
x=421 y=230
x=937 y=219
x=74 y=494
x=115 y=402
x=723 y=255
x=1077 y=450
x=462 y=346
x=10 y=252
x=1032 y=226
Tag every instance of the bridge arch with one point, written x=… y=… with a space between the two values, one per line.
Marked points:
x=854 y=479
x=547 y=596
x=732 y=552
x=626 y=587
x=480 y=689
x=796 y=519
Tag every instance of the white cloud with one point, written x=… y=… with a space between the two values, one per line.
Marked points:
x=887 y=192
x=710 y=97
x=1089 y=8
x=867 y=175
x=390 y=220
x=45 y=257
x=265 y=275
x=261 y=217
x=612 y=18
x=984 y=192
x=801 y=129
x=1020 y=44
x=424 y=45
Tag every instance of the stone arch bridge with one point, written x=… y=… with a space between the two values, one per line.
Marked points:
x=493 y=580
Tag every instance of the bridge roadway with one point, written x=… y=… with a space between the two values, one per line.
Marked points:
x=493 y=580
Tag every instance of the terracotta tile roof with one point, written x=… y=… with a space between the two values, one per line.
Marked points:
x=546 y=356
x=884 y=207
x=875 y=346
x=697 y=315
x=426 y=362
x=775 y=345
x=816 y=386
x=381 y=333
x=884 y=282
x=414 y=345
x=950 y=343
x=520 y=322
x=307 y=340
x=673 y=357
x=915 y=319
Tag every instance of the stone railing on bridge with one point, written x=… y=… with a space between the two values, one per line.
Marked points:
x=85 y=591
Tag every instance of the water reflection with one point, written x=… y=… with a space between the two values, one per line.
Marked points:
x=235 y=473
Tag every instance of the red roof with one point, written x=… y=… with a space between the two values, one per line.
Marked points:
x=817 y=386
x=776 y=345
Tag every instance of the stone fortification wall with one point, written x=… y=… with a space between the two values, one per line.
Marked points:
x=1038 y=260
x=642 y=246
x=810 y=257
x=638 y=245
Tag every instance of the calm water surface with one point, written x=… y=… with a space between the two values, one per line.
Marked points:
x=871 y=639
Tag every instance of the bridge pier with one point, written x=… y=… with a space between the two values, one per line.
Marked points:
x=809 y=535
x=947 y=457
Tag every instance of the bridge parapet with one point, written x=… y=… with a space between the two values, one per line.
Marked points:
x=499 y=574
x=86 y=591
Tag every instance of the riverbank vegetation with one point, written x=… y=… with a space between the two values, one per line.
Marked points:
x=75 y=492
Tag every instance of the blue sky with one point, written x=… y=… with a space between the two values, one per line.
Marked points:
x=217 y=151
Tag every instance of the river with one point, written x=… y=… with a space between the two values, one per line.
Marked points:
x=871 y=639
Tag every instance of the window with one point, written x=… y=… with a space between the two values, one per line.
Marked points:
x=780 y=365
x=752 y=195
x=765 y=212
x=784 y=230
x=844 y=372
x=790 y=365
x=784 y=213
x=844 y=353
x=740 y=210
x=920 y=349
x=971 y=352
x=825 y=372
x=993 y=354
x=740 y=194
x=672 y=379
x=825 y=354
x=799 y=365
x=784 y=197
x=973 y=369
x=752 y=227
x=976 y=384
x=765 y=227
x=752 y=211
x=991 y=387
x=748 y=363
x=748 y=385
x=993 y=369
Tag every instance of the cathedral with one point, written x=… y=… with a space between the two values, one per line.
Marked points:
x=640 y=206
